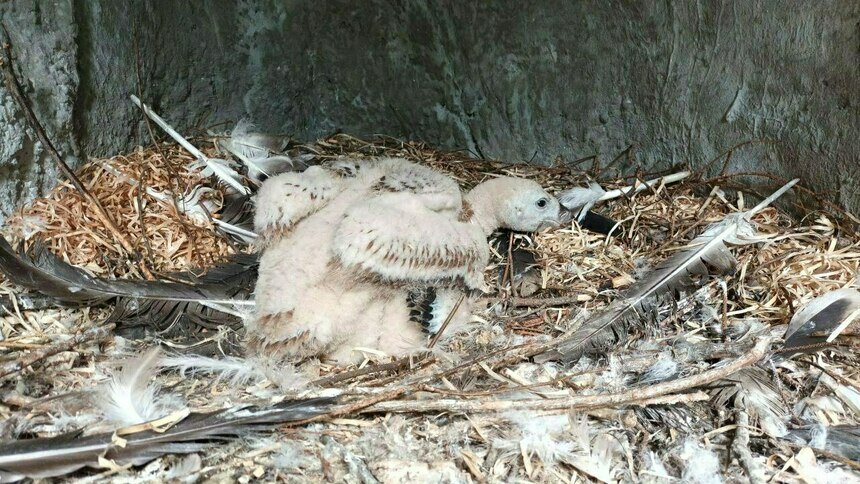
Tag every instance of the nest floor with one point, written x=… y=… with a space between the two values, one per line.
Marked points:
x=478 y=410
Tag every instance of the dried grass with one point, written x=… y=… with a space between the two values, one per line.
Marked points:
x=167 y=240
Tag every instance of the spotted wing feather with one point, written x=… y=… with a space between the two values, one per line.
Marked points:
x=396 y=238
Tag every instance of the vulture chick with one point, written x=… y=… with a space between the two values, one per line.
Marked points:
x=375 y=254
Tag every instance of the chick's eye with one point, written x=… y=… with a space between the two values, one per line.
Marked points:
x=542 y=202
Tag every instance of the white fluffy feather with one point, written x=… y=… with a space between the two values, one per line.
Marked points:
x=702 y=464
x=664 y=368
x=542 y=435
x=131 y=396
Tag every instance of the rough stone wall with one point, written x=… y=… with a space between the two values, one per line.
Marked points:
x=525 y=81
x=46 y=50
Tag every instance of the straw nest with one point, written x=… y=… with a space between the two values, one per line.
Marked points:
x=464 y=417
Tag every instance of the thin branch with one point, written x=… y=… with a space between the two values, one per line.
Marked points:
x=168 y=166
x=447 y=321
x=635 y=396
x=741 y=446
x=405 y=362
x=532 y=301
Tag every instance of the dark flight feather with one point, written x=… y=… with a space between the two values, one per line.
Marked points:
x=677 y=272
x=820 y=321
x=55 y=456
x=156 y=304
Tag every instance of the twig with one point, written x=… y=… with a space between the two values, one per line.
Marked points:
x=14 y=88
x=92 y=334
x=174 y=177
x=401 y=363
x=741 y=446
x=533 y=301
x=635 y=396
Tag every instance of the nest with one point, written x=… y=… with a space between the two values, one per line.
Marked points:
x=473 y=411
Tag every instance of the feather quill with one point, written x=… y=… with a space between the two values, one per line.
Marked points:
x=708 y=252
x=579 y=200
x=49 y=457
x=219 y=168
x=821 y=320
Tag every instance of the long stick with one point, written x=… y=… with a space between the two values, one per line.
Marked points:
x=632 y=397
x=15 y=89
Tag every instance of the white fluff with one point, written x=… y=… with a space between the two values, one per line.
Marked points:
x=664 y=368
x=183 y=467
x=131 y=396
x=818 y=437
x=65 y=422
x=702 y=465
x=291 y=456
x=543 y=435
x=654 y=470
x=615 y=377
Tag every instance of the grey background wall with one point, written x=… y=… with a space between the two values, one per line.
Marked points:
x=523 y=81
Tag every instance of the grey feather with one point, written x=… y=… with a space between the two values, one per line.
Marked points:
x=579 y=200
x=842 y=440
x=754 y=390
x=708 y=254
x=264 y=155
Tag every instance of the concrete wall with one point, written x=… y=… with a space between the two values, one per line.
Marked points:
x=525 y=81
